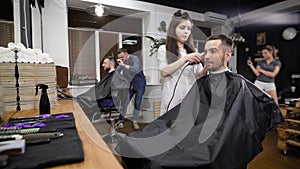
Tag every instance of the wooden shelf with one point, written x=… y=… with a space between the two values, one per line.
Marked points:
x=293 y=143
x=293 y=121
x=290 y=129
x=259 y=57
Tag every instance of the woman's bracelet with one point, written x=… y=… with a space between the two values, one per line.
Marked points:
x=252 y=67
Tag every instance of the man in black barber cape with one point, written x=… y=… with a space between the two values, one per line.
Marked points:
x=220 y=124
x=88 y=101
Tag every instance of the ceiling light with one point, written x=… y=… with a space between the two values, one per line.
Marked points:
x=98 y=10
x=236 y=37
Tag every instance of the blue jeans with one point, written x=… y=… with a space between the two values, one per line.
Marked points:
x=137 y=103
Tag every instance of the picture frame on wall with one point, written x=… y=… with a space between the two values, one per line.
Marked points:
x=261 y=38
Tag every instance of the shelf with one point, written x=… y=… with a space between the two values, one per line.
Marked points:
x=293 y=143
x=293 y=121
x=290 y=130
x=260 y=58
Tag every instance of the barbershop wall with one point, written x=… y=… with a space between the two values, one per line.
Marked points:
x=288 y=50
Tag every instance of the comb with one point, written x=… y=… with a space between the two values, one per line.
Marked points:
x=14 y=130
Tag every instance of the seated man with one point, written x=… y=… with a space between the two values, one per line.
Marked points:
x=220 y=124
x=89 y=100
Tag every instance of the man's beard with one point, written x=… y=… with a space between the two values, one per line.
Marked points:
x=222 y=63
x=107 y=69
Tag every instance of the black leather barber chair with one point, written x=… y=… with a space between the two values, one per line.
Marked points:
x=107 y=107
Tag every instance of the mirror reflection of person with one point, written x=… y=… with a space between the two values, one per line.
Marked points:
x=130 y=67
x=100 y=91
x=267 y=70
x=174 y=56
x=109 y=64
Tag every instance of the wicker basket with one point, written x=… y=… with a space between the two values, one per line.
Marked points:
x=30 y=74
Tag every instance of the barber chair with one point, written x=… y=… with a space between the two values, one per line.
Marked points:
x=107 y=106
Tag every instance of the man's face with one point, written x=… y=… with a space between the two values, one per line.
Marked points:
x=123 y=56
x=106 y=65
x=215 y=56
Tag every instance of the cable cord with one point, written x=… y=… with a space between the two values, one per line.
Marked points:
x=175 y=88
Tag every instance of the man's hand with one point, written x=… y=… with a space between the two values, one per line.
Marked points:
x=120 y=62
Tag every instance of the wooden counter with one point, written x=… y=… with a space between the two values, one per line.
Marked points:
x=96 y=152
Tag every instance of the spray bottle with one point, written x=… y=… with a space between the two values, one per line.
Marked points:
x=44 y=101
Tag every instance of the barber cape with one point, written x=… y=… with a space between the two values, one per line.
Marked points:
x=220 y=124
x=88 y=101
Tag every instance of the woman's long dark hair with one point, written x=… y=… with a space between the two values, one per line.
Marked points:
x=171 y=42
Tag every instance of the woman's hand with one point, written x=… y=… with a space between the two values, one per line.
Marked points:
x=259 y=69
x=249 y=63
x=256 y=70
x=268 y=73
x=193 y=57
x=171 y=68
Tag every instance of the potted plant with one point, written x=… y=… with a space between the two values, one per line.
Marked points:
x=156 y=44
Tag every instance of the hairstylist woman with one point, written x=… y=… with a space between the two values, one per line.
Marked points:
x=175 y=59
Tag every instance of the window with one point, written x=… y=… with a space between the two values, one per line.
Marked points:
x=82 y=55
x=6 y=33
x=87 y=47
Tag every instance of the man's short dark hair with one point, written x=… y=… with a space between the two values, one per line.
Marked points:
x=124 y=50
x=110 y=58
x=226 y=41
